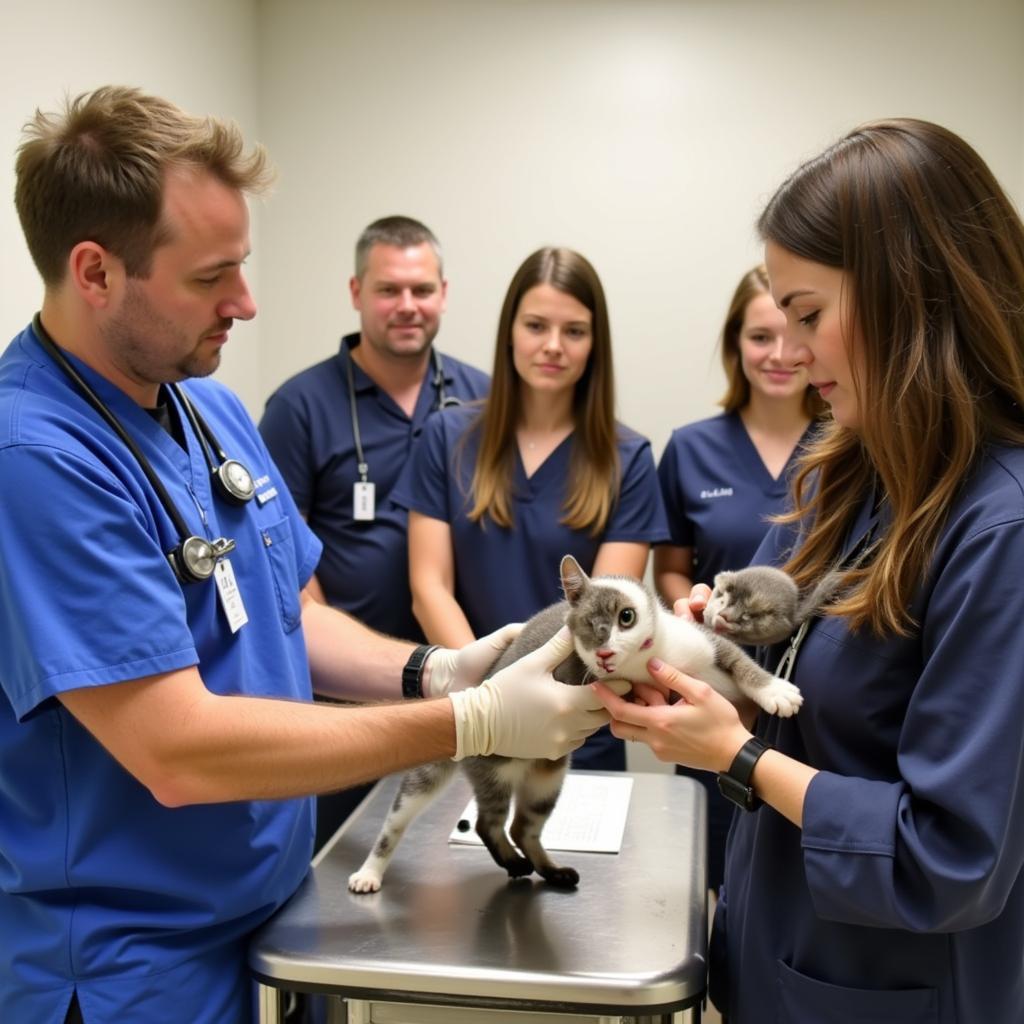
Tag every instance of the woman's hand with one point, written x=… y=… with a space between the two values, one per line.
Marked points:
x=701 y=729
x=692 y=607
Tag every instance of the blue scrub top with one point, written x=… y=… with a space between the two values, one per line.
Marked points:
x=902 y=899
x=506 y=575
x=307 y=426
x=144 y=909
x=719 y=494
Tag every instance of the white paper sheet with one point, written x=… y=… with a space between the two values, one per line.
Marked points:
x=590 y=815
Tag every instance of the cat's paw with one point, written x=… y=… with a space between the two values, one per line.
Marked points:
x=518 y=867
x=364 y=880
x=780 y=697
x=561 y=878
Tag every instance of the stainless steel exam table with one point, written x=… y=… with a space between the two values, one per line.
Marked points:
x=450 y=939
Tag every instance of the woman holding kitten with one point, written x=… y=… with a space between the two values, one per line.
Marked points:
x=722 y=477
x=498 y=492
x=879 y=873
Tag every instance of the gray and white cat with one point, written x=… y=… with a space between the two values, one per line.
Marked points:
x=617 y=624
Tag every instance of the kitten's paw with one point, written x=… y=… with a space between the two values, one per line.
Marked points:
x=780 y=697
x=561 y=878
x=364 y=880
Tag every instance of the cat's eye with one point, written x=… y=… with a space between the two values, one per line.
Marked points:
x=627 y=617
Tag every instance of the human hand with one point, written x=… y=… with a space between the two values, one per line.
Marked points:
x=692 y=607
x=523 y=711
x=446 y=670
x=701 y=730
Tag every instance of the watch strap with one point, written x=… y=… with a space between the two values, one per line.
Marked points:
x=412 y=674
x=735 y=784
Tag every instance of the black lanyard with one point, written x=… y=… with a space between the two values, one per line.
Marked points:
x=443 y=401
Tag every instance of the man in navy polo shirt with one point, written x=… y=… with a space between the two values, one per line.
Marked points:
x=342 y=430
x=397 y=379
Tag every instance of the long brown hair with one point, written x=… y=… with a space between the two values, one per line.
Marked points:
x=594 y=463
x=933 y=253
x=737 y=392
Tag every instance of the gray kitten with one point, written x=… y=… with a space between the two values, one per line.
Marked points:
x=762 y=605
x=617 y=624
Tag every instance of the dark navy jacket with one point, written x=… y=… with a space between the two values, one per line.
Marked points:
x=902 y=899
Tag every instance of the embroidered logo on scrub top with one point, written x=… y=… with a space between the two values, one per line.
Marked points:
x=264 y=496
x=716 y=492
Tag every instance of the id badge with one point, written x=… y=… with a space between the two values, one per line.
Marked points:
x=230 y=596
x=363 y=501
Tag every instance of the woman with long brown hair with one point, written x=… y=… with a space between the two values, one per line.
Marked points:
x=879 y=873
x=498 y=492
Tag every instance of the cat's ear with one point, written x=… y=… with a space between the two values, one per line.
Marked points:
x=574 y=579
x=722 y=580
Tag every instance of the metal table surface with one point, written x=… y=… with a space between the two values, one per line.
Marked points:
x=449 y=927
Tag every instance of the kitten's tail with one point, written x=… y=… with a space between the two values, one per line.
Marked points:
x=828 y=588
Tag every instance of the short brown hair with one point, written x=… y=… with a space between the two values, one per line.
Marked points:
x=399 y=231
x=96 y=172
x=737 y=392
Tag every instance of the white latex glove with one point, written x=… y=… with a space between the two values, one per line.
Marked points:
x=446 y=671
x=524 y=711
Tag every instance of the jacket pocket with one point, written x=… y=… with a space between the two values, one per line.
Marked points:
x=280 y=551
x=804 y=1000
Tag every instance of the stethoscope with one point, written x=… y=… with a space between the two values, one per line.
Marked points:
x=444 y=401
x=195 y=558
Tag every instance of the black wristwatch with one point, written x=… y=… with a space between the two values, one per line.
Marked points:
x=412 y=674
x=735 y=784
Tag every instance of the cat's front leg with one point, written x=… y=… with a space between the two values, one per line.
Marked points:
x=774 y=694
x=417 y=788
x=536 y=797
x=778 y=696
x=494 y=781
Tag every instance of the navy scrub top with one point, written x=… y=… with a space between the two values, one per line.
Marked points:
x=307 y=425
x=902 y=899
x=144 y=909
x=506 y=575
x=719 y=494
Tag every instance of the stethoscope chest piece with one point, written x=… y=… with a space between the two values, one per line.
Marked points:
x=195 y=558
x=233 y=482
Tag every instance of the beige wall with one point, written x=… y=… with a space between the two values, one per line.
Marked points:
x=645 y=134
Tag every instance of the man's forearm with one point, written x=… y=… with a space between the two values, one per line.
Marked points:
x=243 y=748
x=349 y=661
